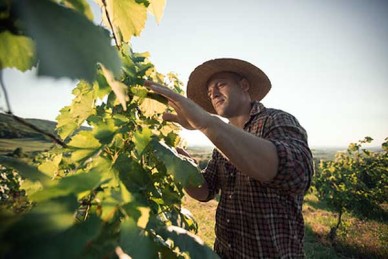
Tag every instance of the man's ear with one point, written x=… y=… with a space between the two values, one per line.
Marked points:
x=244 y=84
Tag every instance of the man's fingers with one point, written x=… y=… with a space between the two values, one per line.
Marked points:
x=173 y=105
x=149 y=83
x=183 y=152
x=154 y=86
x=170 y=117
x=162 y=90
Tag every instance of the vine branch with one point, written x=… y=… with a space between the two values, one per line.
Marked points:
x=110 y=23
x=21 y=120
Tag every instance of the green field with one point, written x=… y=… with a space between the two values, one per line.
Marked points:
x=357 y=238
x=360 y=238
x=29 y=146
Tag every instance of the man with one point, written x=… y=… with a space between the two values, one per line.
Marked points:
x=261 y=166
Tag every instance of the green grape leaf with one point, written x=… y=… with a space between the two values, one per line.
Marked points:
x=103 y=166
x=51 y=216
x=188 y=220
x=138 y=213
x=72 y=45
x=105 y=132
x=153 y=105
x=156 y=8
x=101 y=86
x=129 y=66
x=367 y=139
x=182 y=168
x=25 y=170
x=50 y=166
x=141 y=138
x=125 y=194
x=83 y=145
x=120 y=120
x=37 y=229
x=80 y=5
x=144 y=218
x=172 y=138
x=128 y=17
x=133 y=176
x=135 y=65
x=78 y=237
x=187 y=242
x=384 y=145
x=30 y=187
x=71 y=117
x=170 y=131
x=135 y=242
x=83 y=154
x=120 y=89
x=16 y=51
x=109 y=204
x=140 y=92
x=84 y=140
x=73 y=184
x=66 y=123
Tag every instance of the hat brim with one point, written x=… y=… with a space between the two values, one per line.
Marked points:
x=197 y=84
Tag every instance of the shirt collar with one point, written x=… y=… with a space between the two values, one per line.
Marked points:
x=257 y=107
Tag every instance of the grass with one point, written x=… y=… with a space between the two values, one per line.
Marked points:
x=28 y=145
x=357 y=238
x=313 y=248
x=360 y=238
x=205 y=214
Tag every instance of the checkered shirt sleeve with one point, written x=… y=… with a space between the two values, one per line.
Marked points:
x=294 y=168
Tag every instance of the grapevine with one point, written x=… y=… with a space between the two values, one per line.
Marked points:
x=114 y=189
x=356 y=181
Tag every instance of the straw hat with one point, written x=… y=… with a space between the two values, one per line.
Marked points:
x=197 y=85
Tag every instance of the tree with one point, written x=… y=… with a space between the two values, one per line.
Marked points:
x=356 y=181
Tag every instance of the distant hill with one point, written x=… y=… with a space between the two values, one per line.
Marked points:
x=9 y=128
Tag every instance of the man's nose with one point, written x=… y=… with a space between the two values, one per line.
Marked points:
x=214 y=92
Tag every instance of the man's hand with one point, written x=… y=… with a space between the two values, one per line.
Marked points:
x=188 y=114
x=183 y=152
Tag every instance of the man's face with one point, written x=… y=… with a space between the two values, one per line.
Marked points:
x=226 y=93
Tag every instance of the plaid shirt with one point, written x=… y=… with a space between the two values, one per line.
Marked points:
x=256 y=219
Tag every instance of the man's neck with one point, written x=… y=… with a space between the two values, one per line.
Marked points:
x=240 y=120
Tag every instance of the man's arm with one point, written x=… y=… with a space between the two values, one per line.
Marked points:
x=254 y=156
x=200 y=193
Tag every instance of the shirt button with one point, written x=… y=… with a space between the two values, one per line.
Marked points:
x=230 y=196
x=228 y=220
x=229 y=245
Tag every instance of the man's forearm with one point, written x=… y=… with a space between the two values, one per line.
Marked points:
x=253 y=156
x=199 y=193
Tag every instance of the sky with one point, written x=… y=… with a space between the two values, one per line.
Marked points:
x=327 y=61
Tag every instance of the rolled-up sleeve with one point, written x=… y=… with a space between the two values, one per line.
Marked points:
x=211 y=178
x=295 y=166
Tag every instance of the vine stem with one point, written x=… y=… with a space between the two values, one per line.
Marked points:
x=8 y=108
x=21 y=120
x=110 y=23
